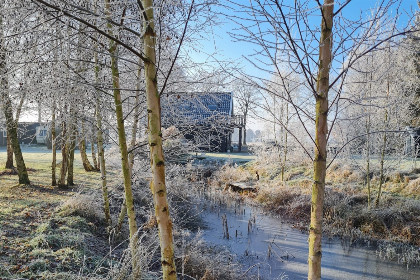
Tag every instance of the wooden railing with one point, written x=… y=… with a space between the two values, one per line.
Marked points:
x=237 y=120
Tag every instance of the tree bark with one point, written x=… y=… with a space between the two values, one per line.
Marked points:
x=240 y=140
x=82 y=147
x=134 y=129
x=286 y=124
x=368 y=126
x=135 y=119
x=64 y=155
x=8 y=113
x=384 y=143
x=368 y=160
x=9 y=161
x=72 y=146
x=122 y=140
x=321 y=130
x=157 y=185
x=53 y=148
x=101 y=153
x=244 y=142
x=95 y=161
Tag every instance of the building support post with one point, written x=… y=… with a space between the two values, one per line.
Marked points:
x=240 y=140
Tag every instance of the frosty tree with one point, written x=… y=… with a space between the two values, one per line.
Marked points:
x=322 y=57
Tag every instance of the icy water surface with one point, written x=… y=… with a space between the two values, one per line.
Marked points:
x=275 y=250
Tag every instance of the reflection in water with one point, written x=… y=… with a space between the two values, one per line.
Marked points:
x=274 y=250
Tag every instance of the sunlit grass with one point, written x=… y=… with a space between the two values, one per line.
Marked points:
x=35 y=235
x=235 y=157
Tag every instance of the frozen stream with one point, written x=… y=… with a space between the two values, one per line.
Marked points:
x=252 y=234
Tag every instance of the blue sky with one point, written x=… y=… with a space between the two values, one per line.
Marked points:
x=219 y=42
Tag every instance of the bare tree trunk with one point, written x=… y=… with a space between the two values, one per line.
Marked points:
x=39 y=112
x=368 y=160
x=9 y=161
x=64 y=155
x=121 y=217
x=72 y=146
x=82 y=147
x=53 y=148
x=381 y=177
x=8 y=113
x=136 y=119
x=101 y=153
x=381 y=174
x=244 y=143
x=283 y=165
x=321 y=130
x=134 y=129
x=123 y=144
x=95 y=161
x=122 y=141
x=157 y=185
x=368 y=150
x=240 y=140
x=12 y=131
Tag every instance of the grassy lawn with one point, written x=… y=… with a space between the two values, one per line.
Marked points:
x=39 y=238
x=234 y=157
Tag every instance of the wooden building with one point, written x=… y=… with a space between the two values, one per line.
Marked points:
x=205 y=119
x=412 y=145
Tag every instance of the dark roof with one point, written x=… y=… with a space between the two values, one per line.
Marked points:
x=196 y=107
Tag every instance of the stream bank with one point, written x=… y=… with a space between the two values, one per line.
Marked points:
x=270 y=247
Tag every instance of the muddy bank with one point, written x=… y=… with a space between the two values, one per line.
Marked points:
x=346 y=210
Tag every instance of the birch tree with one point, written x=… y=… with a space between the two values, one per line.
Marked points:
x=11 y=124
x=321 y=56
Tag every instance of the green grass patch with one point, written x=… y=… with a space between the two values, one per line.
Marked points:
x=39 y=238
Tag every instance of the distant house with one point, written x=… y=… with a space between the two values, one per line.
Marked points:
x=28 y=133
x=42 y=134
x=412 y=145
x=35 y=133
x=205 y=119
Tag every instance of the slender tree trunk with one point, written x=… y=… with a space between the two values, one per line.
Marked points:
x=53 y=148
x=64 y=155
x=82 y=147
x=368 y=160
x=368 y=166
x=101 y=153
x=8 y=112
x=95 y=161
x=39 y=112
x=283 y=165
x=134 y=129
x=157 y=185
x=121 y=217
x=368 y=145
x=244 y=143
x=321 y=130
x=12 y=131
x=72 y=146
x=240 y=140
x=9 y=161
x=122 y=141
x=381 y=177
x=136 y=118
